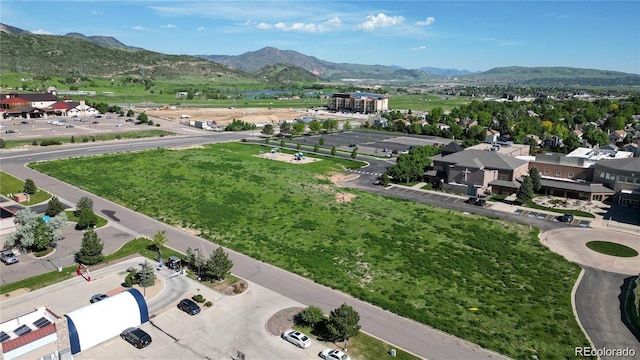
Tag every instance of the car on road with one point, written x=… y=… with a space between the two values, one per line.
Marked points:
x=297 y=338
x=568 y=217
x=118 y=125
x=476 y=201
x=95 y=122
x=129 y=120
x=69 y=126
x=188 y=306
x=136 y=337
x=333 y=354
x=10 y=131
x=98 y=297
x=8 y=257
x=352 y=145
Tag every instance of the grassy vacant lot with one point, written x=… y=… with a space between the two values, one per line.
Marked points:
x=426 y=263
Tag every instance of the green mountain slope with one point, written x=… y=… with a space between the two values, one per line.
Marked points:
x=48 y=54
x=284 y=74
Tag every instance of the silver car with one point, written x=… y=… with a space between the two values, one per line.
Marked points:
x=297 y=338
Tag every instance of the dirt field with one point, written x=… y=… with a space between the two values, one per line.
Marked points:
x=223 y=116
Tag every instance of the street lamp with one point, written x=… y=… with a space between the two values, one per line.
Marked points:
x=198 y=251
x=345 y=313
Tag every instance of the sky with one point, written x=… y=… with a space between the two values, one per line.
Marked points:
x=464 y=35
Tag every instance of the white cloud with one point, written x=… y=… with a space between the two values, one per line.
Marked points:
x=428 y=21
x=168 y=26
x=247 y=23
x=138 y=27
x=41 y=32
x=379 y=21
x=96 y=12
x=201 y=28
x=328 y=25
x=421 y=47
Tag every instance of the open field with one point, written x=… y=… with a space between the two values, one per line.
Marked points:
x=485 y=280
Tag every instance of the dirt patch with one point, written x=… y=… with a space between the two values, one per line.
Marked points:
x=282 y=320
x=289 y=158
x=344 y=197
x=337 y=178
x=223 y=116
x=230 y=289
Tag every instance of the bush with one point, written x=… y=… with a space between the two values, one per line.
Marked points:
x=310 y=316
x=84 y=140
x=35 y=143
x=118 y=137
x=208 y=304
x=198 y=298
x=48 y=142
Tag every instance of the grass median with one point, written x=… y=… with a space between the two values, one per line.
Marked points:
x=485 y=280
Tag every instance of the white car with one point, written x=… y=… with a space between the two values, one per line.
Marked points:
x=297 y=338
x=333 y=354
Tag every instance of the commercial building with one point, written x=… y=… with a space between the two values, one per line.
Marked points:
x=358 y=102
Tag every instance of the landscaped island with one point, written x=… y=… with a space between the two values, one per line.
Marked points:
x=485 y=280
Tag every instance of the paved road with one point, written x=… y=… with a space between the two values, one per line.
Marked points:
x=407 y=334
x=598 y=299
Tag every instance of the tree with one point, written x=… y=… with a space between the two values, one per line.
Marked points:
x=54 y=207
x=354 y=153
x=218 y=265
x=346 y=125
x=315 y=126
x=30 y=187
x=143 y=117
x=41 y=236
x=536 y=179
x=85 y=202
x=298 y=128
x=330 y=125
x=159 y=239
x=321 y=141
x=130 y=113
x=285 y=128
x=343 y=322
x=146 y=276
x=91 y=248
x=191 y=257
x=525 y=192
x=316 y=148
x=267 y=130
x=311 y=315
x=384 y=179
x=87 y=219
x=333 y=151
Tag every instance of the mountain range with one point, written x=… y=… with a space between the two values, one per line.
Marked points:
x=22 y=51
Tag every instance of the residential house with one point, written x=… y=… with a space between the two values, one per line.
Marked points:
x=617 y=136
x=491 y=136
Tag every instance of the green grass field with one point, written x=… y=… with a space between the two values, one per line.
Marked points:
x=430 y=264
x=12 y=185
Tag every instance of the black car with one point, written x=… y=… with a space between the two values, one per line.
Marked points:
x=188 y=306
x=136 y=337
x=98 y=297
x=568 y=217
x=10 y=131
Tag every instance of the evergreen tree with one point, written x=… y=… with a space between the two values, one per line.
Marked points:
x=343 y=322
x=384 y=180
x=91 y=249
x=54 y=207
x=268 y=130
x=87 y=219
x=333 y=151
x=316 y=147
x=354 y=153
x=321 y=140
x=536 y=179
x=30 y=187
x=218 y=265
x=146 y=276
x=525 y=192
x=85 y=202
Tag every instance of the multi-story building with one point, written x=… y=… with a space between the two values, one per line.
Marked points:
x=623 y=177
x=358 y=102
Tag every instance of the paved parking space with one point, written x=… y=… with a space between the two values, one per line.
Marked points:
x=232 y=324
x=549 y=217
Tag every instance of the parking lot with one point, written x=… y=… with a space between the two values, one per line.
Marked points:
x=55 y=126
x=234 y=323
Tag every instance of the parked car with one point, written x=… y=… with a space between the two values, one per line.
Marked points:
x=136 y=337
x=567 y=217
x=10 y=131
x=188 y=306
x=297 y=338
x=129 y=120
x=95 y=122
x=98 y=297
x=8 y=257
x=352 y=145
x=332 y=354
x=118 y=125
x=68 y=126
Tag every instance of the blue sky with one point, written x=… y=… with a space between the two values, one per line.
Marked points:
x=470 y=35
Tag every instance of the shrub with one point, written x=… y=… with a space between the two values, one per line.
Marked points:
x=84 y=140
x=157 y=125
x=35 y=143
x=208 y=304
x=310 y=316
x=198 y=298
x=118 y=137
